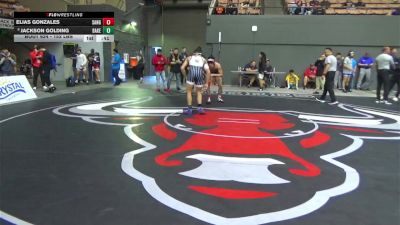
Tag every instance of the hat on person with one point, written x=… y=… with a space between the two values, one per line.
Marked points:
x=211 y=59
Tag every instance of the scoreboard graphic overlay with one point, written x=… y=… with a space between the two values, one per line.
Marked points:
x=64 y=26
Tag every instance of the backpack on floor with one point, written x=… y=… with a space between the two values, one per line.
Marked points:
x=70 y=82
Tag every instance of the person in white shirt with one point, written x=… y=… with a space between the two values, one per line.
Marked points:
x=348 y=71
x=383 y=63
x=81 y=66
x=329 y=73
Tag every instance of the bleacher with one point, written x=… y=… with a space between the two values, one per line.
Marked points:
x=339 y=7
x=237 y=7
x=8 y=7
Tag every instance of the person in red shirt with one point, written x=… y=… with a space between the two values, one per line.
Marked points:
x=309 y=75
x=159 y=61
x=36 y=59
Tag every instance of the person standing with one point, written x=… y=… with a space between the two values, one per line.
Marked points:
x=96 y=67
x=319 y=79
x=182 y=58
x=329 y=73
x=81 y=65
x=74 y=70
x=347 y=71
x=216 y=78
x=262 y=66
x=36 y=60
x=140 y=66
x=383 y=63
x=395 y=74
x=116 y=65
x=90 y=58
x=339 y=71
x=175 y=70
x=198 y=75
x=365 y=64
x=46 y=68
x=159 y=61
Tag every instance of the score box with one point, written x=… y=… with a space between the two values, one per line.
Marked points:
x=108 y=21
x=108 y=30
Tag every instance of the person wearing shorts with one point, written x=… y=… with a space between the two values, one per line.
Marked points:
x=198 y=74
x=348 y=71
x=96 y=67
x=216 y=78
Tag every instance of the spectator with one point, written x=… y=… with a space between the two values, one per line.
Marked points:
x=395 y=74
x=140 y=66
x=159 y=61
x=250 y=67
x=47 y=67
x=365 y=64
x=90 y=58
x=7 y=63
x=325 y=4
x=396 y=12
x=36 y=59
x=354 y=64
x=182 y=58
x=219 y=10
x=348 y=4
x=81 y=65
x=359 y=4
x=262 y=66
x=74 y=70
x=292 y=6
x=319 y=79
x=292 y=80
x=175 y=69
x=383 y=63
x=115 y=67
x=309 y=75
x=231 y=8
x=339 y=71
x=348 y=71
x=269 y=69
x=96 y=67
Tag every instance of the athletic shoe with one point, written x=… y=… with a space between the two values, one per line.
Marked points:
x=315 y=92
x=141 y=80
x=187 y=111
x=220 y=99
x=260 y=89
x=333 y=103
x=208 y=101
x=387 y=103
x=395 y=99
x=200 y=110
x=45 y=88
x=320 y=100
x=34 y=88
x=378 y=101
x=87 y=82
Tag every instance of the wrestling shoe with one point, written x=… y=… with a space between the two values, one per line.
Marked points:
x=201 y=111
x=220 y=99
x=187 y=111
x=208 y=101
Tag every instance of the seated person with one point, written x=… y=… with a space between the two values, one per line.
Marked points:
x=292 y=80
x=251 y=67
x=309 y=75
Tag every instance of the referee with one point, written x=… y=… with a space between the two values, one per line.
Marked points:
x=329 y=73
x=383 y=63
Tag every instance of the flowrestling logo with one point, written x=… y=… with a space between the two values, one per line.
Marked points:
x=9 y=89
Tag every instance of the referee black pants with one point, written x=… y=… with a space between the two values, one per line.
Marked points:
x=328 y=87
x=395 y=79
x=383 y=79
